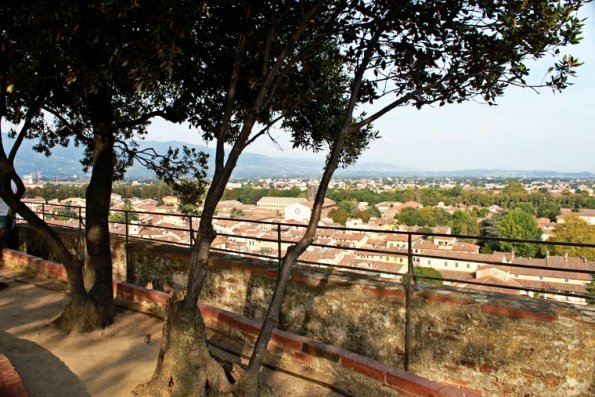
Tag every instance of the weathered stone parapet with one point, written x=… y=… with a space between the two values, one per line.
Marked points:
x=339 y=369
x=495 y=343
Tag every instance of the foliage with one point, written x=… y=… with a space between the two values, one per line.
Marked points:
x=431 y=196
x=527 y=207
x=463 y=222
x=189 y=191
x=251 y=195
x=121 y=217
x=519 y=224
x=339 y=215
x=374 y=211
x=426 y=229
x=547 y=205
x=574 y=230
x=514 y=188
x=236 y=213
x=426 y=216
x=426 y=271
x=548 y=210
x=81 y=71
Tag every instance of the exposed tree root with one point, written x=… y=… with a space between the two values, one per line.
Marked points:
x=82 y=314
x=185 y=366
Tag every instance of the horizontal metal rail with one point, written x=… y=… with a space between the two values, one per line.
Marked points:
x=399 y=252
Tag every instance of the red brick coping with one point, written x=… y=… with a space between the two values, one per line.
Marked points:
x=11 y=384
x=300 y=348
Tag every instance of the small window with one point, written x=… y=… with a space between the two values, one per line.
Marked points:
x=445 y=263
x=429 y=262
x=468 y=266
x=565 y=280
x=541 y=277
x=516 y=276
x=400 y=259
x=456 y=264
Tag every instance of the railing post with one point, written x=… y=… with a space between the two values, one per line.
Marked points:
x=43 y=212
x=279 y=257
x=191 y=231
x=80 y=220
x=127 y=248
x=410 y=275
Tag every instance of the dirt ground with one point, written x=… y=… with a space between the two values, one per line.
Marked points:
x=110 y=362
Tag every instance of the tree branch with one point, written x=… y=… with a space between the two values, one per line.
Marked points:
x=143 y=119
x=22 y=133
x=263 y=131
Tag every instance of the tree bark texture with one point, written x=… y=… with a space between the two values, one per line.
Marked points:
x=98 y=197
x=80 y=314
x=185 y=367
x=293 y=253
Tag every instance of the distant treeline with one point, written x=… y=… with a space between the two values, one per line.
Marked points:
x=510 y=197
x=250 y=195
x=126 y=190
x=513 y=195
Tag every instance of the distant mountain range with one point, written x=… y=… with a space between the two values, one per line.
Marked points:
x=64 y=163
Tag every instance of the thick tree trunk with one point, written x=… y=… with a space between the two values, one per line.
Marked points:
x=98 y=197
x=199 y=260
x=80 y=315
x=185 y=367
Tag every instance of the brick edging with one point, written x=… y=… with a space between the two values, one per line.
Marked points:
x=298 y=347
x=11 y=384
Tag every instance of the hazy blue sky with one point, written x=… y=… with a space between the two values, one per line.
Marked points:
x=526 y=130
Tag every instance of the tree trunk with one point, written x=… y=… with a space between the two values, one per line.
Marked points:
x=199 y=260
x=98 y=197
x=80 y=314
x=184 y=367
x=249 y=384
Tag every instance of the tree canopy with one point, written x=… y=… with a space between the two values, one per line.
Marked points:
x=519 y=224
x=574 y=230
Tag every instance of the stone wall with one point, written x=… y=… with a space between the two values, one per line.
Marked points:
x=492 y=343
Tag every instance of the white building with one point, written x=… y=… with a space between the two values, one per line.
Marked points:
x=302 y=211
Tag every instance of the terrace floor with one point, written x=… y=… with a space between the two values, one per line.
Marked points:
x=109 y=362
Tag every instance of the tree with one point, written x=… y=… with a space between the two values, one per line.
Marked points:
x=409 y=216
x=574 y=230
x=463 y=222
x=77 y=75
x=121 y=216
x=514 y=188
x=411 y=54
x=363 y=215
x=426 y=216
x=426 y=271
x=339 y=215
x=246 y=67
x=527 y=207
x=236 y=213
x=375 y=212
x=426 y=60
x=548 y=210
x=519 y=224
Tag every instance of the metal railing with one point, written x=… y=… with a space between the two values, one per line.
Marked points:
x=409 y=277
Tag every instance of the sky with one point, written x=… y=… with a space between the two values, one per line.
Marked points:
x=526 y=131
